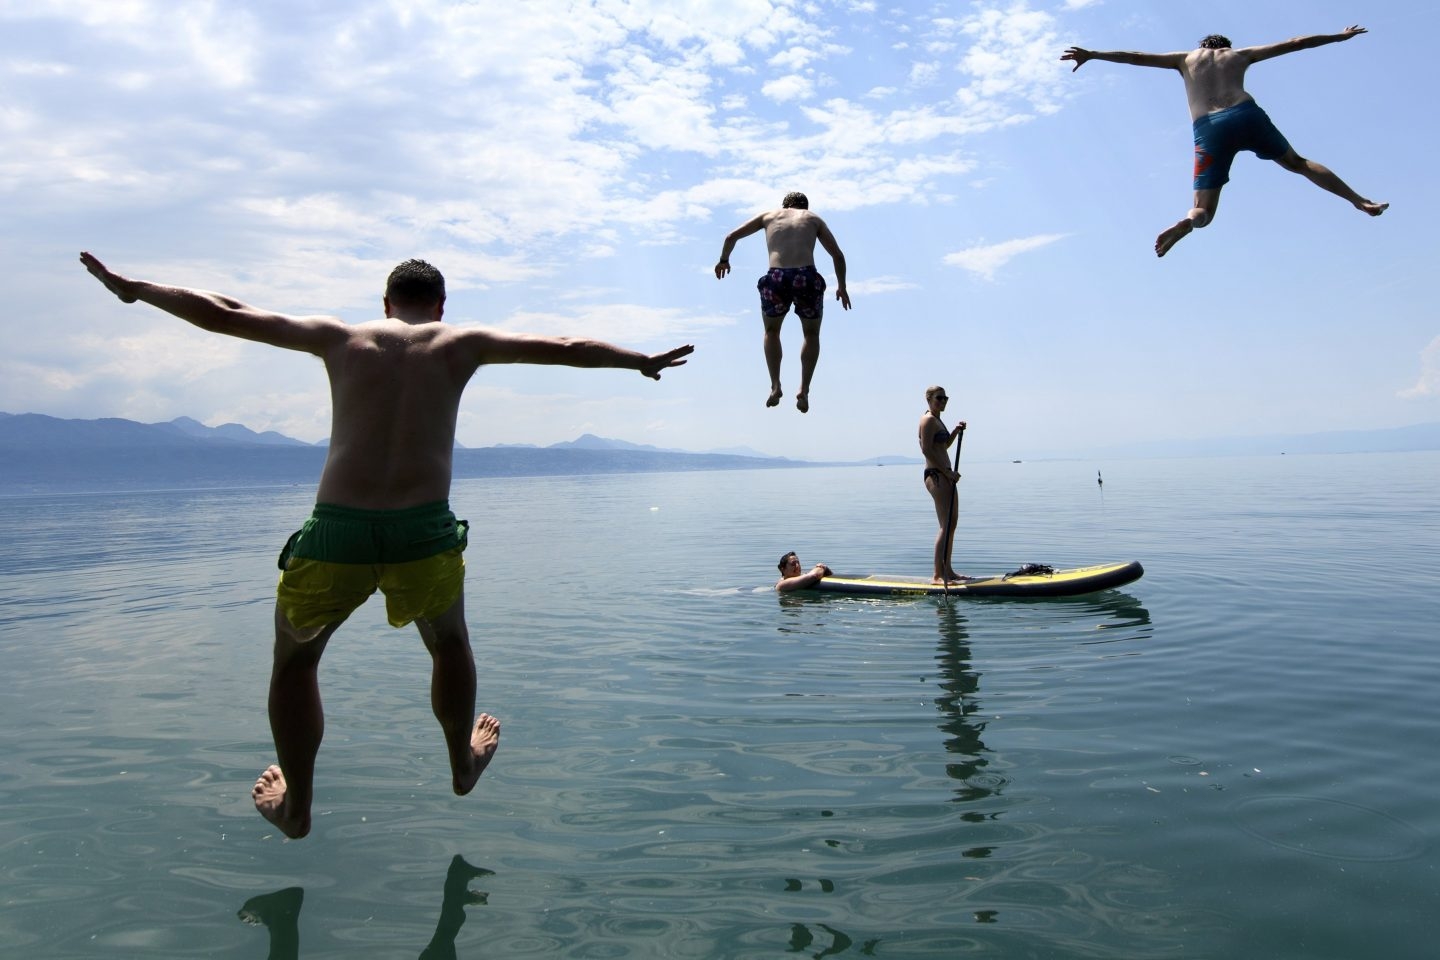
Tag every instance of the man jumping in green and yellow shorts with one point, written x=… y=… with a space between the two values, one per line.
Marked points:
x=341 y=556
x=382 y=519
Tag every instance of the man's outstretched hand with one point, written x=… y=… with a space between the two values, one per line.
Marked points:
x=116 y=284
x=663 y=361
x=1078 y=54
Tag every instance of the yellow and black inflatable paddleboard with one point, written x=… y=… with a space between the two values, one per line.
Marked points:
x=1031 y=580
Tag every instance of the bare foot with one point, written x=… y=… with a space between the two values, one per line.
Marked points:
x=802 y=402
x=273 y=909
x=457 y=882
x=269 y=796
x=775 y=395
x=278 y=912
x=484 y=740
x=1174 y=235
x=1374 y=209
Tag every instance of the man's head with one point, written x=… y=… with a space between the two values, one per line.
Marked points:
x=1215 y=42
x=788 y=561
x=413 y=285
x=797 y=200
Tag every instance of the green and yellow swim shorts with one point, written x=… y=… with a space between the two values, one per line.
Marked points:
x=340 y=556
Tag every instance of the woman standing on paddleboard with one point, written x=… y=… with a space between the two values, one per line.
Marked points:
x=941 y=479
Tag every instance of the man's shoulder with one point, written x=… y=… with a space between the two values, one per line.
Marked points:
x=801 y=219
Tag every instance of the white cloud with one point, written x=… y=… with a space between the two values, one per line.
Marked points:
x=924 y=74
x=1429 y=383
x=792 y=58
x=290 y=156
x=985 y=260
x=874 y=285
x=165 y=353
x=1010 y=61
x=790 y=87
x=618 y=323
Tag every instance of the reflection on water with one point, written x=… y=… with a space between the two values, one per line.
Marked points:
x=694 y=768
x=828 y=942
x=959 y=704
x=279 y=914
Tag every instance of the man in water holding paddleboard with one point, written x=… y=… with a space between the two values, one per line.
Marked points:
x=790 y=235
x=793 y=577
x=382 y=517
x=1227 y=120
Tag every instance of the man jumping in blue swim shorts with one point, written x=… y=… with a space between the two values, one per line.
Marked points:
x=382 y=518
x=1227 y=120
x=790 y=234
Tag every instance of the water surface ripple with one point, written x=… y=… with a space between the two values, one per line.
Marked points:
x=1227 y=758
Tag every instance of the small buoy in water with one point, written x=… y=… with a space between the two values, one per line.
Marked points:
x=653 y=509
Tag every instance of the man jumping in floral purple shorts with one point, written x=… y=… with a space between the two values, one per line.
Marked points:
x=790 y=234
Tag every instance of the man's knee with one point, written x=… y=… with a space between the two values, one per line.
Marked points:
x=1293 y=162
x=300 y=646
x=446 y=630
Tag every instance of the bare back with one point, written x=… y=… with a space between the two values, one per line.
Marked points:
x=790 y=236
x=933 y=437
x=1215 y=79
x=395 y=391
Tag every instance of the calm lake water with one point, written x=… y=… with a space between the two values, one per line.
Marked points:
x=1232 y=757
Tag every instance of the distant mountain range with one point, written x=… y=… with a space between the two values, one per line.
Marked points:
x=35 y=431
x=39 y=453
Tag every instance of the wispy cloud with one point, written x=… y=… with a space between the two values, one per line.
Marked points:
x=290 y=156
x=874 y=285
x=985 y=260
x=1429 y=383
x=617 y=322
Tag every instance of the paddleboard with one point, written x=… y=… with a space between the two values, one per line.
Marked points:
x=1032 y=580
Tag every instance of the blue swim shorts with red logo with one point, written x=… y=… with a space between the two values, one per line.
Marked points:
x=1224 y=133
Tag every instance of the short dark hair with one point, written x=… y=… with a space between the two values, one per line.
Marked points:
x=415 y=283
x=1215 y=41
x=796 y=199
x=785 y=559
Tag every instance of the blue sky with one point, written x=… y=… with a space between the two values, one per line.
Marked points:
x=573 y=168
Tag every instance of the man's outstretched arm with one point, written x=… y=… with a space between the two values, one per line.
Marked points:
x=1294 y=44
x=1081 y=56
x=221 y=314
x=827 y=240
x=493 y=346
x=754 y=225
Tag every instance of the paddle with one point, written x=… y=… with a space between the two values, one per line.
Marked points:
x=954 y=514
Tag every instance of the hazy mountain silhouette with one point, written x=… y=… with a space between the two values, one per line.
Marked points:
x=39 y=453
